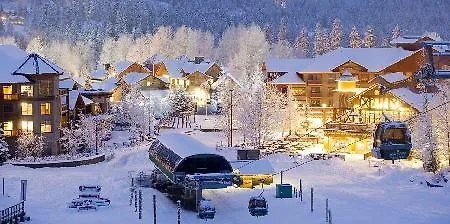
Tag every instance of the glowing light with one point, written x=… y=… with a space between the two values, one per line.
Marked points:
x=324 y=105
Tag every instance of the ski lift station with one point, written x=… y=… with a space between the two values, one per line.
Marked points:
x=184 y=167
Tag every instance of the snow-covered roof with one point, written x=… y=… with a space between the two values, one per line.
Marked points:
x=80 y=80
x=374 y=59
x=289 y=78
x=393 y=77
x=11 y=57
x=165 y=79
x=107 y=85
x=35 y=64
x=261 y=166
x=99 y=74
x=192 y=67
x=134 y=77
x=223 y=78
x=122 y=65
x=409 y=39
x=174 y=67
x=183 y=145
x=66 y=83
x=347 y=77
x=73 y=96
x=413 y=99
x=286 y=65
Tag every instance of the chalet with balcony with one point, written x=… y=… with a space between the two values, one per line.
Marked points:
x=30 y=99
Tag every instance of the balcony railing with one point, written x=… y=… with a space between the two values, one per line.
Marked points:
x=316 y=95
x=10 y=96
x=314 y=82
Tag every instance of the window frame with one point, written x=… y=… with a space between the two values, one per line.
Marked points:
x=44 y=125
x=26 y=111
x=49 y=108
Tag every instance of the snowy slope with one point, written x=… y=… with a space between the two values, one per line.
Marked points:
x=357 y=193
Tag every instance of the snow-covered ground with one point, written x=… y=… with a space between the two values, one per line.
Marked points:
x=357 y=193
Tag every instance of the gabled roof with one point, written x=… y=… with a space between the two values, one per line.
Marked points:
x=134 y=77
x=288 y=78
x=223 y=78
x=73 y=98
x=347 y=77
x=174 y=68
x=410 y=39
x=374 y=59
x=99 y=74
x=66 y=83
x=415 y=100
x=192 y=67
x=286 y=65
x=122 y=65
x=107 y=85
x=35 y=65
x=393 y=77
x=10 y=58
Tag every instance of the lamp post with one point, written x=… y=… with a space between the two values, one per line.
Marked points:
x=230 y=143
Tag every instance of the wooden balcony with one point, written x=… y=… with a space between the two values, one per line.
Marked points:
x=10 y=96
x=314 y=82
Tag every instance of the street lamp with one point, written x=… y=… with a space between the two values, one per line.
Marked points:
x=230 y=143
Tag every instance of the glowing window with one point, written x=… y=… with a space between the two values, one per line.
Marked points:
x=27 y=108
x=27 y=126
x=26 y=90
x=46 y=127
x=45 y=108
x=8 y=128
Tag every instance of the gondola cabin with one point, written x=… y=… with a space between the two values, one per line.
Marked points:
x=392 y=141
x=257 y=206
x=206 y=209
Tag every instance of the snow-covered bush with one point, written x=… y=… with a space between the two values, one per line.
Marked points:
x=4 y=148
x=30 y=145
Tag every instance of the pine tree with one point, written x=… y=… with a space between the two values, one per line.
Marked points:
x=354 y=39
x=318 y=44
x=326 y=47
x=4 y=147
x=282 y=33
x=385 y=43
x=336 y=34
x=302 y=42
x=396 y=32
x=369 y=38
x=269 y=33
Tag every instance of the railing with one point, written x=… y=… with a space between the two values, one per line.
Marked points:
x=316 y=95
x=10 y=96
x=12 y=213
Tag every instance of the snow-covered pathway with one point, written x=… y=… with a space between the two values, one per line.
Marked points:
x=356 y=192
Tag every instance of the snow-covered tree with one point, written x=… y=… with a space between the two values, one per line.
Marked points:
x=336 y=34
x=107 y=55
x=354 y=38
x=8 y=40
x=302 y=43
x=71 y=140
x=269 y=33
x=318 y=40
x=326 y=47
x=30 y=146
x=385 y=42
x=4 y=147
x=396 y=32
x=180 y=102
x=282 y=33
x=369 y=38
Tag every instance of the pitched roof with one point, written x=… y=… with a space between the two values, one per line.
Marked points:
x=192 y=67
x=99 y=74
x=374 y=59
x=174 y=67
x=286 y=65
x=346 y=77
x=393 y=77
x=223 y=78
x=73 y=97
x=122 y=65
x=415 y=100
x=134 y=77
x=107 y=85
x=35 y=64
x=288 y=78
x=10 y=58
x=66 y=83
x=409 y=39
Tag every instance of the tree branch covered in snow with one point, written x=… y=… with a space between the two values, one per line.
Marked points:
x=30 y=145
x=4 y=147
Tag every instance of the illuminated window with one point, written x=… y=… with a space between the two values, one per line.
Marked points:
x=315 y=90
x=7 y=92
x=26 y=90
x=45 y=88
x=298 y=91
x=45 y=108
x=8 y=128
x=27 y=108
x=46 y=127
x=315 y=103
x=148 y=83
x=27 y=126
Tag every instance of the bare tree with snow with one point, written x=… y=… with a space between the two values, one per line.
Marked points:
x=318 y=40
x=30 y=146
x=4 y=147
x=396 y=32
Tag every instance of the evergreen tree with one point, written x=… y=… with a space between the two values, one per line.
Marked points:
x=302 y=43
x=4 y=148
x=269 y=33
x=326 y=47
x=369 y=38
x=336 y=34
x=318 y=37
x=354 y=39
x=396 y=32
x=282 y=33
